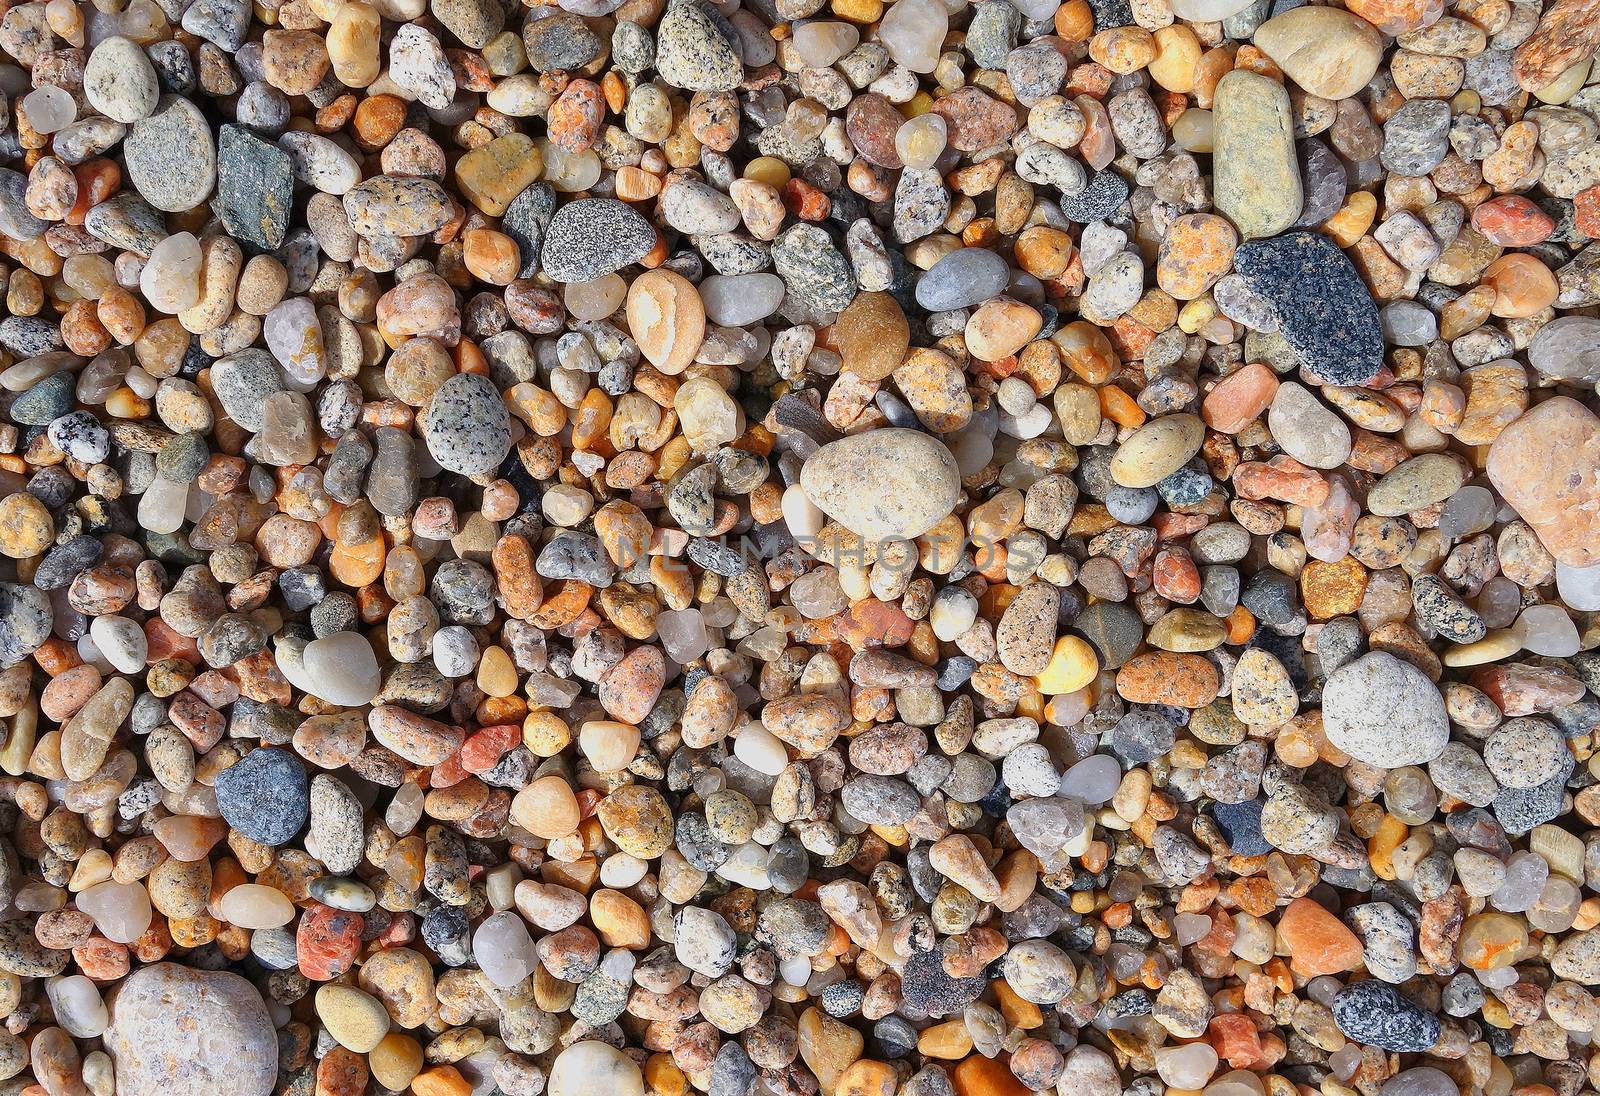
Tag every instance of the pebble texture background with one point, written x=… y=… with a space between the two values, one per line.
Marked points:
x=799 y=548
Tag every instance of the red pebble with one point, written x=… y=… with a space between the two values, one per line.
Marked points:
x=1512 y=221
x=1586 y=211
x=482 y=750
x=327 y=941
x=1174 y=575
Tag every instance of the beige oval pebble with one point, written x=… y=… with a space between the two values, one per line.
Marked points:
x=667 y=319
x=1156 y=450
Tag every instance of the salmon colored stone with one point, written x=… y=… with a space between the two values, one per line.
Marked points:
x=1239 y=398
x=1235 y=1038
x=1317 y=941
x=1165 y=677
x=1544 y=466
x=1512 y=221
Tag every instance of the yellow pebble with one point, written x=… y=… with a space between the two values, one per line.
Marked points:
x=1491 y=648
x=1196 y=314
x=497 y=674
x=858 y=11
x=767 y=169
x=395 y=1061
x=1353 y=219
x=1073 y=664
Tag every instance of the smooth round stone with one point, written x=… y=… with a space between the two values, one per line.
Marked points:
x=356 y=1019
x=920 y=141
x=965 y=277
x=1157 y=449
x=822 y=43
x=78 y=1006
x=1307 y=430
x=1187 y=1067
x=121 y=911
x=913 y=32
x=1548 y=630
x=762 y=750
x=172 y=157
x=592 y=237
x=1327 y=51
x=265 y=796
x=49 y=108
x=1384 y=711
x=1579 y=587
x=170 y=279
x=1568 y=349
x=342 y=669
x=119 y=80
x=590 y=1067
x=121 y=641
x=468 y=429
x=255 y=906
x=741 y=299
x=504 y=949
x=343 y=893
x=1092 y=781
x=883 y=483
x=177 y=1031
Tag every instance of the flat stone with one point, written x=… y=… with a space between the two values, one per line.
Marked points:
x=1255 y=174
x=171 y=157
x=1325 y=312
x=255 y=189
x=592 y=237
x=1544 y=464
x=1384 y=711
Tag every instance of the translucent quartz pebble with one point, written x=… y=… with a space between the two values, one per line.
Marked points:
x=1094 y=780
x=921 y=140
x=1568 y=349
x=162 y=506
x=1548 y=630
x=78 y=1006
x=683 y=634
x=342 y=669
x=1190 y=927
x=1499 y=602
x=1579 y=587
x=1468 y=511
x=255 y=906
x=1419 y=1081
x=1186 y=1067
x=1526 y=873
x=1240 y=1082
x=1328 y=529
x=49 y=109
x=503 y=948
x=742 y=298
x=913 y=31
x=759 y=748
x=405 y=809
x=121 y=911
x=597 y=299
x=1557 y=906
x=295 y=338
x=170 y=280
x=1037 y=9
x=1045 y=827
x=822 y=43
x=569 y=172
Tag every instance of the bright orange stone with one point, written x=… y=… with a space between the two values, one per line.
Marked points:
x=1318 y=942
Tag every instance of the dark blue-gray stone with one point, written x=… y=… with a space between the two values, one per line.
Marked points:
x=1376 y=1014
x=46 y=401
x=1240 y=823
x=1099 y=200
x=255 y=189
x=593 y=237
x=1325 y=312
x=526 y=219
x=265 y=796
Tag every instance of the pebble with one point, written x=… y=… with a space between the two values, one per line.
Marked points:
x=168 y=1023
x=265 y=796
x=1325 y=313
x=1255 y=171
x=593 y=237
x=1364 y=701
x=885 y=483
x=171 y=157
